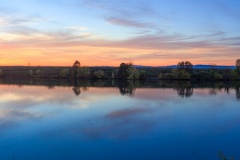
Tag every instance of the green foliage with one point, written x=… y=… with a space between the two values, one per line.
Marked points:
x=166 y=76
x=64 y=73
x=133 y=73
x=176 y=74
x=38 y=73
x=123 y=71
x=1 y=72
x=98 y=74
x=83 y=72
x=112 y=74
x=184 y=75
x=235 y=75
x=142 y=74
x=227 y=74
x=31 y=72
x=127 y=71
x=203 y=74
x=217 y=76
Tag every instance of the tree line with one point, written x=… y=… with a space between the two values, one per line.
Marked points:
x=185 y=71
x=126 y=71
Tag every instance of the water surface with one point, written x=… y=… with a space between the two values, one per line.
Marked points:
x=168 y=121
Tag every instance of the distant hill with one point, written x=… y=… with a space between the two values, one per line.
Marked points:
x=201 y=66
x=198 y=66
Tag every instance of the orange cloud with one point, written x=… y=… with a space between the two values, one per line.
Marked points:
x=62 y=48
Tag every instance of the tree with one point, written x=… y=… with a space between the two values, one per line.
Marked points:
x=98 y=74
x=75 y=68
x=238 y=66
x=1 y=72
x=234 y=75
x=123 y=71
x=127 y=71
x=31 y=72
x=64 y=73
x=76 y=64
x=181 y=66
x=183 y=74
x=38 y=73
x=83 y=72
x=133 y=73
x=187 y=66
x=217 y=76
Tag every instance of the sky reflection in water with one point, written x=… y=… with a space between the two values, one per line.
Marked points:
x=100 y=123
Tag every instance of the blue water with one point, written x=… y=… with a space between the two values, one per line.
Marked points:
x=39 y=123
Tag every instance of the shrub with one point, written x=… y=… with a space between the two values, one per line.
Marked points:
x=98 y=74
x=1 y=72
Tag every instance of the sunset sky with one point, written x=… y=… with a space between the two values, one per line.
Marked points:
x=108 y=32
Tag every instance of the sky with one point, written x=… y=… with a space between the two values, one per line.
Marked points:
x=109 y=32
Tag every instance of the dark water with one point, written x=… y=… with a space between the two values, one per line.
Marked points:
x=128 y=121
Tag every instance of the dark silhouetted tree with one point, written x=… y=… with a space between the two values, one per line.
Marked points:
x=181 y=66
x=127 y=71
x=75 y=68
x=238 y=66
x=187 y=66
x=123 y=71
x=76 y=64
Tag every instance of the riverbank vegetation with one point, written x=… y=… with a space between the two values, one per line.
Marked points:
x=125 y=71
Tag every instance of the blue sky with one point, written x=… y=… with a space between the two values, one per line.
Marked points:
x=147 y=32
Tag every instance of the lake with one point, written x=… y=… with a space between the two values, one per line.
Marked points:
x=118 y=121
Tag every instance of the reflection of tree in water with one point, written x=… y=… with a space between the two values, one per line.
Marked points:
x=80 y=85
x=227 y=89
x=238 y=93
x=184 y=89
x=185 y=92
x=127 y=87
x=51 y=87
x=213 y=91
x=76 y=90
x=218 y=87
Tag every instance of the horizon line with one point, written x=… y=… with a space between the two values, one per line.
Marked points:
x=107 y=65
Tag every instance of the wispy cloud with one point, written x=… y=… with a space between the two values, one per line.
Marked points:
x=129 y=23
x=6 y=21
x=144 y=38
x=122 y=8
x=75 y=36
x=78 y=28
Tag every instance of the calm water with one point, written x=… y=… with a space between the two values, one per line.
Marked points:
x=112 y=123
